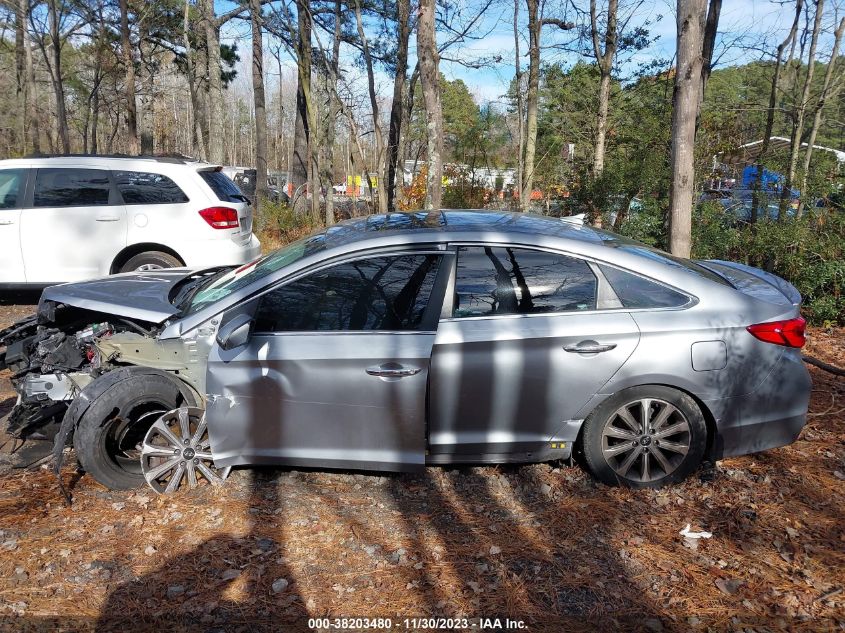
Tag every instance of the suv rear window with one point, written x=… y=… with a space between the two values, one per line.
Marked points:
x=222 y=186
x=71 y=188
x=138 y=187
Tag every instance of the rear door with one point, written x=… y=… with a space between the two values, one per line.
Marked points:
x=75 y=226
x=335 y=370
x=523 y=348
x=12 y=188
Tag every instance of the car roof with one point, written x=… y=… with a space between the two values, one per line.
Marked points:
x=82 y=160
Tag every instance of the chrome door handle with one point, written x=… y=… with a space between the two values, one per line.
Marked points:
x=589 y=347
x=392 y=371
x=6 y=222
x=108 y=218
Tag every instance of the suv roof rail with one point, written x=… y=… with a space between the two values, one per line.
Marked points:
x=161 y=158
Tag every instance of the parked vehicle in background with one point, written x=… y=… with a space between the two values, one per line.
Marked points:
x=72 y=218
x=738 y=203
x=395 y=341
x=247 y=179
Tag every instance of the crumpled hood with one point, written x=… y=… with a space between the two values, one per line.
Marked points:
x=138 y=295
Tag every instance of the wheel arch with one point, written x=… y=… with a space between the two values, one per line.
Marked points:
x=136 y=249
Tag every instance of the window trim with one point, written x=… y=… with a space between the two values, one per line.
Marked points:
x=593 y=263
x=430 y=315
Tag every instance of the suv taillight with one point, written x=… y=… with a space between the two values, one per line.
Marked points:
x=789 y=333
x=220 y=217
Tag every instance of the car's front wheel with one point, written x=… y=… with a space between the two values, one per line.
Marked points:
x=645 y=437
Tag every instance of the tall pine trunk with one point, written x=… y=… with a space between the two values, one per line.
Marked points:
x=531 y=101
x=215 y=86
x=133 y=143
x=430 y=80
x=394 y=133
x=260 y=109
x=58 y=81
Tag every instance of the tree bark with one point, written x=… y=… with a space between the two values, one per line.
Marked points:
x=21 y=19
x=196 y=108
x=686 y=97
x=403 y=10
x=531 y=101
x=520 y=105
x=147 y=81
x=331 y=119
x=58 y=81
x=299 y=170
x=430 y=79
x=134 y=145
x=31 y=113
x=215 y=86
x=604 y=60
x=817 y=115
x=260 y=109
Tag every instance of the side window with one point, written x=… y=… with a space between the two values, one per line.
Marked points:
x=11 y=187
x=138 y=187
x=382 y=293
x=638 y=292
x=71 y=188
x=494 y=281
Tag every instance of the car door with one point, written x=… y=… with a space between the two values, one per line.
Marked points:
x=12 y=188
x=335 y=370
x=75 y=226
x=522 y=349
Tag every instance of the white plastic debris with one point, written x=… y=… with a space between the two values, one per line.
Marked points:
x=687 y=533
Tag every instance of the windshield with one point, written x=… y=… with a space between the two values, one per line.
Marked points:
x=247 y=274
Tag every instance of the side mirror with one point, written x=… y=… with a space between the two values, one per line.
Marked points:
x=235 y=333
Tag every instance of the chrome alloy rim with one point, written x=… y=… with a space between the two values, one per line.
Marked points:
x=148 y=267
x=646 y=440
x=177 y=449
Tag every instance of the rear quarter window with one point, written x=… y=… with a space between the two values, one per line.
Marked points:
x=222 y=186
x=138 y=187
x=637 y=292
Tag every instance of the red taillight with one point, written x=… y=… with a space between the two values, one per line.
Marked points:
x=789 y=333
x=220 y=217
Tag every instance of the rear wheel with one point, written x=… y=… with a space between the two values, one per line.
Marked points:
x=645 y=437
x=110 y=435
x=151 y=260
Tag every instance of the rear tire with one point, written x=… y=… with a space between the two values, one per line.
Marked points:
x=151 y=260
x=645 y=437
x=107 y=438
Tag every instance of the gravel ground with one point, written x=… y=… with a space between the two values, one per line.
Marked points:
x=539 y=544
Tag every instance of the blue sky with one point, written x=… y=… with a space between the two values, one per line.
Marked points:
x=744 y=26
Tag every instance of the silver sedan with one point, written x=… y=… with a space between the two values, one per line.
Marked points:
x=397 y=341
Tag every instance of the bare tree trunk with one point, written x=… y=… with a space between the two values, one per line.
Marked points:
x=380 y=157
x=215 y=86
x=31 y=88
x=403 y=9
x=770 y=113
x=430 y=78
x=520 y=105
x=332 y=115
x=299 y=171
x=58 y=81
x=260 y=108
x=604 y=60
x=147 y=90
x=21 y=19
x=531 y=101
x=686 y=97
x=129 y=68
x=196 y=135
x=817 y=116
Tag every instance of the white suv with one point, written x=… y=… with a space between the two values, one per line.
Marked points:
x=72 y=218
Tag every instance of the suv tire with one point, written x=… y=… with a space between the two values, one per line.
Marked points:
x=151 y=260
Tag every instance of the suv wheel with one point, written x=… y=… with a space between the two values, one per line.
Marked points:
x=645 y=437
x=151 y=260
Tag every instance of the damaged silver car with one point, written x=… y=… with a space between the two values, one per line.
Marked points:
x=396 y=341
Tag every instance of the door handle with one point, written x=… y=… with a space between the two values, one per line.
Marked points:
x=108 y=218
x=392 y=370
x=6 y=222
x=589 y=347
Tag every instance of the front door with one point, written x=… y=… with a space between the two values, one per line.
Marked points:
x=75 y=227
x=522 y=351
x=12 y=188
x=335 y=370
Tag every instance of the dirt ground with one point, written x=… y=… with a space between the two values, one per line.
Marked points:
x=541 y=545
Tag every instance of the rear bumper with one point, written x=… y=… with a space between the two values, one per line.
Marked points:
x=771 y=416
x=220 y=252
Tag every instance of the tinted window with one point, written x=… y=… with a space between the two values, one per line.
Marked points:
x=222 y=186
x=383 y=293
x=138 y=187
x=71 y=188
x=11 y=187
x=638 y=292
x=494 y=280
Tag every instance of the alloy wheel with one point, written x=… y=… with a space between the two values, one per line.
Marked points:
x=177 y=450
x=646 y=440
x=147 y=267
